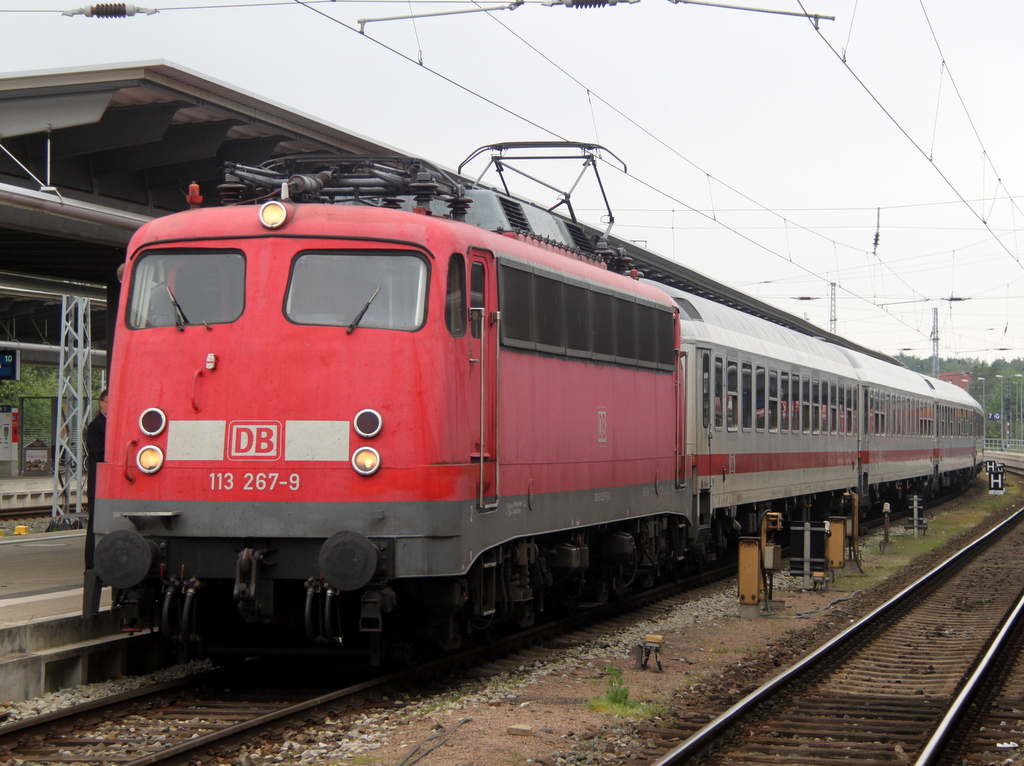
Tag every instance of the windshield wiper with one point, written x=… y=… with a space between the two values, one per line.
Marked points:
x=359 y=316
x=179 y=315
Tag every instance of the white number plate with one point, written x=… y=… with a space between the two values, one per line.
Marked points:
x=253 y=482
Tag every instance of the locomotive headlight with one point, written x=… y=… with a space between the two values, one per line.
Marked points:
x=366 y=461
x=273 y=214
x=152 y=422
x=368 y=423
x=149 y=459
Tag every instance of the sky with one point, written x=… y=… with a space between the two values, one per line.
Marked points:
x=879 y=151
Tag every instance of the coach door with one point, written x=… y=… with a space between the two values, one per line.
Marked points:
x=485 y=329
x=709 y=383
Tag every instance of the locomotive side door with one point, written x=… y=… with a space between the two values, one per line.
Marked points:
x=485 y=330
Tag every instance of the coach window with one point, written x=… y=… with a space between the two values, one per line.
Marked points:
x=759 y=400
x=842 y=410
x=718 y=393
x=746 y=395
x=732 y=405
x=794 y=402
x=706 y=383
x=833 y=411
x=719 y=401
x=773 y=401
x=805 y=407
x=851 y=410
x=784 y=400
x=455 y=298
x=815 y=406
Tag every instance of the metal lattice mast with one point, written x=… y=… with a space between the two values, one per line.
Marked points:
x=935 y=343
x=832 y=307
x=73 y=406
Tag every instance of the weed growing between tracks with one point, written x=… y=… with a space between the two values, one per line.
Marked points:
x=616 y=700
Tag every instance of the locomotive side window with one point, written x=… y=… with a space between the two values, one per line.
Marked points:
x=515 y=314
x=476 y=294
x=719 y=402
x=552 y=315
x=386 y=291
x=455 y=297
x=577 y=314
x=732 y=405
x=602 y=319
x=178 y=288
x=625 y=330
x=648 y=333
x=547 y=304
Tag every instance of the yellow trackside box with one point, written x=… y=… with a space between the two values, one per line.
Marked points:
x=835 y=544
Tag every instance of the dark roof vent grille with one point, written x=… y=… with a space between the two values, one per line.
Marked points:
x=579 y=237
x=516 y=217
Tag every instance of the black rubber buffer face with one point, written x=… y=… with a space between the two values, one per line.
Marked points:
x=123 y=558
x=348 y=560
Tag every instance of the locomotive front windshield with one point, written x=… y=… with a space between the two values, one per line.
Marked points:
x=366 y=289
x=178 y=288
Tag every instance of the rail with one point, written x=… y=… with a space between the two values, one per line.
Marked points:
x=703 y=738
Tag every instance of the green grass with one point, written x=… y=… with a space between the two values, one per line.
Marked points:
x=616 y=700
x=942 y=527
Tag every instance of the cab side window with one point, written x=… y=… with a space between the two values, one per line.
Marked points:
x=455 y=297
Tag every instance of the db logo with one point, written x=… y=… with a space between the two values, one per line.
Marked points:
x=254 y=441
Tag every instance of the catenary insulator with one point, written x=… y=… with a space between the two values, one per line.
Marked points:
x=231 y=192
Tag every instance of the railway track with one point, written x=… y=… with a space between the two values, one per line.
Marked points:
x=30 y=513
x=181 y=720
x=876 y=692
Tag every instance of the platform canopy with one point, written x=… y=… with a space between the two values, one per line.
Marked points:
x=88 y=155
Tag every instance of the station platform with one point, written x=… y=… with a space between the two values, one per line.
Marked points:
x=45 y=644
x=41 y=577
x=26 y=492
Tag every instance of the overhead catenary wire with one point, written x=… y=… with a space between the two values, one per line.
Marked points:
x=786 y=221
x=914 y=143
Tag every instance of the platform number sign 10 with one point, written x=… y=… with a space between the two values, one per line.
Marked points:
x=10 y=364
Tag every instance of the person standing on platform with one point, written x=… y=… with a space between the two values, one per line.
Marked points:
x=95 y=442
